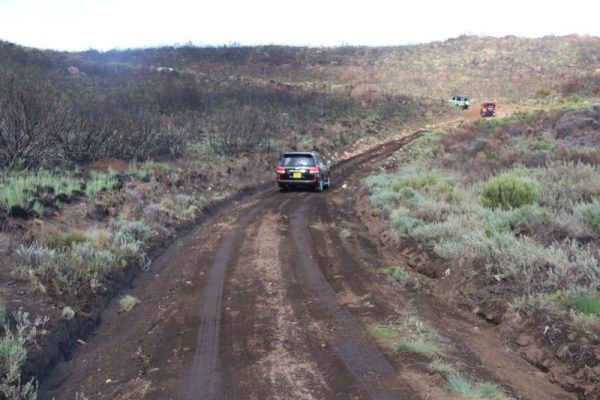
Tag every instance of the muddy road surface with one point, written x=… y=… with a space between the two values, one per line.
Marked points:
x=272 y=299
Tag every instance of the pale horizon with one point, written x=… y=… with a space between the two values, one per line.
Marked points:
x=68 y=25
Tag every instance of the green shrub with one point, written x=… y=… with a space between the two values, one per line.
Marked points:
x=160 y=166
x=99 y=182
x=588 y=304
x=509 y=191
x=419 y=327
x=429 y=210
x=383 y=333
x=409 y=197
x=438 y=365
x=461 y=386
x=385 y=198
x=415 y=181
x=133 y=230
x=543 y=144
x=406 y=223
x=509 y=220
x=379 y=181
x=399 y=273
x=589 y=214
x=418 y=346
x=12 y=352
x=17 y=189
x=516 y=118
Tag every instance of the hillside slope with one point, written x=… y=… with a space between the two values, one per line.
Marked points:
x=509 y=67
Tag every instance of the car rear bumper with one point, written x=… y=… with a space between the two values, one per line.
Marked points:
x=306 y=183
x=298 y=182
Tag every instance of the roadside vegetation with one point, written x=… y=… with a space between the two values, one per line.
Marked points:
x=27 y=191
x=76 y=263
x=514 y=206
x=412 y=337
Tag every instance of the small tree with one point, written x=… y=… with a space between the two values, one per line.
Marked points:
x=509 y=191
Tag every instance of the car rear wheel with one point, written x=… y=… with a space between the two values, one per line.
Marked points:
x=320 y=186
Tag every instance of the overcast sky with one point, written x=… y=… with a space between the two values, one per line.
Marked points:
x=108 y=24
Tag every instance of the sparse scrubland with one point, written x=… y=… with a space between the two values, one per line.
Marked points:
x=514 y=207
x=105 y=156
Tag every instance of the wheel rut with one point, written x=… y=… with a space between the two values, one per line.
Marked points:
x=365 y=361
x=269 y=353
x=204 y=380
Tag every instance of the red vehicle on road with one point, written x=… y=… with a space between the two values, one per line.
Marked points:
x=488 y=109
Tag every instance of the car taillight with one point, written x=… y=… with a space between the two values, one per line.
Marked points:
x=314 y=170
x=280 y=170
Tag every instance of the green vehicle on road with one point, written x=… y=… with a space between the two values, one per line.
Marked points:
x=460 y=101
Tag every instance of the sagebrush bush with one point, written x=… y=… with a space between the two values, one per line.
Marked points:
x=565 y=184
x=431 y=210
x=13 y=354
x=410 y=197
x=35 y=255
x=136 y=230
x=508 y=220
x=379 y=181
x=75 y=265
x=406 y=223
x=509 y=191
x=504 y=253
x=385 y=198
x=589 y=214
x=399 y=273
x=414 y=181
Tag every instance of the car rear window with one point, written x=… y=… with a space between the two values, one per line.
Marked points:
x=297 y=160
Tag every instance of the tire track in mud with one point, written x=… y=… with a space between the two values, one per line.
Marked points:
x=204 y=380
x=268 y=353
x=363 y=360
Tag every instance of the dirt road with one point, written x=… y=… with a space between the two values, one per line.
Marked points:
x=272 y=299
